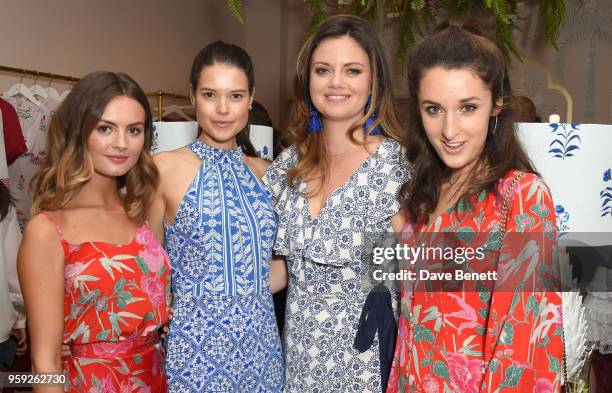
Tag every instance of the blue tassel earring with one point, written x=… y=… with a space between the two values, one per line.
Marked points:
x=371 y=120
x=314 y=120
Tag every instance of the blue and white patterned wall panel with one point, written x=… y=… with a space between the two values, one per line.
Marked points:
x=575 y=160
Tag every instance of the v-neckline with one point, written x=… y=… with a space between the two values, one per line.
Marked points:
x=348 y=180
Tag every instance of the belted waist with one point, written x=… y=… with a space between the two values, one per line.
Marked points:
x=112 y=349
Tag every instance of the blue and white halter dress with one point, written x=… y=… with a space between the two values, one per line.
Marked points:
x=224 y=336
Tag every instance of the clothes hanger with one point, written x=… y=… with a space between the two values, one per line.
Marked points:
x=65 y=94
x=38 y=90
x=178 y=110
x=23 y=90
x=53 y=94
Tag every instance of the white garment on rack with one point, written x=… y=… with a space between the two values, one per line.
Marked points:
x=34 y=122
x=12 y=315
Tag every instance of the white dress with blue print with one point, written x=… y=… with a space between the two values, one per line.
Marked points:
x=328 y=269
x=224 y=336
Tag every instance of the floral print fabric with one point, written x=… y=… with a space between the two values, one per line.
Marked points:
x=480 y=340
x=114 y=303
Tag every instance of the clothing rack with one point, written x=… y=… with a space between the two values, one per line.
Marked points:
x=37 y=74
x=160 y=94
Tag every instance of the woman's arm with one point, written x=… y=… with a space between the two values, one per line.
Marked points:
x=524 y=345
x=41 y=274
x=157 y=208
x=398 y=221
x=278 y=274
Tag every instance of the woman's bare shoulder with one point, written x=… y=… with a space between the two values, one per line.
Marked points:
x=259 y=166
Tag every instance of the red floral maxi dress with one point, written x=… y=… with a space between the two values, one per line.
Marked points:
x=497 y=338
x=114 y=303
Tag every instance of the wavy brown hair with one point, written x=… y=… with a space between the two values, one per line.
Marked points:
x=453 y=47
x=68 y=166
x=311 y=146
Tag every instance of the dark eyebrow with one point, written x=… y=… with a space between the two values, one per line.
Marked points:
x=214 y=91
x=354 y=63
x=473 y=98
x=138 y=123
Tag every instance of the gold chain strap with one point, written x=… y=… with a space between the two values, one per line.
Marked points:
x=505 y=207
x=565 y=382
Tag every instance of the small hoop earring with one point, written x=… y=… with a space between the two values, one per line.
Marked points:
x=494 y=127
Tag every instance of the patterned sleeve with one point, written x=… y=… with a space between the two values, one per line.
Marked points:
x=385 y=183
x=276 y=179
x=276 y=175
x=523 y=344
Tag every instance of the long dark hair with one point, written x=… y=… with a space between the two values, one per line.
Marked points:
x=223 y=53
x=311 y=146
x=67 y=166
x=6 y=201
x=453 y=47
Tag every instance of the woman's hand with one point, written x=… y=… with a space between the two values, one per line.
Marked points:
x=278 y=274
x=22 y=344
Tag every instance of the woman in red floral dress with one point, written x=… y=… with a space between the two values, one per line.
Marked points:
x=93 y=275
x=499 y=333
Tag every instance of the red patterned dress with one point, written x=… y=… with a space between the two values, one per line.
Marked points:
x=114 y=304
x=502 y=338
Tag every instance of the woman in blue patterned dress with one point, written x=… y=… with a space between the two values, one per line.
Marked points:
x=219 y=227
x=336 y=185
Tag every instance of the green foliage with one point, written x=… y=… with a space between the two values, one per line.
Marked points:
x=418 y=17
x=235 y=7
x=318 y=14
x=555 y=16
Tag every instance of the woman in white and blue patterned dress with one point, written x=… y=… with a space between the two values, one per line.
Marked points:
x=219 y=228
x=336 y=185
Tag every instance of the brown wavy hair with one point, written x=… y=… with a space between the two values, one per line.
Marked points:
x=68 y=166
x=311 y=146
x=453 y=47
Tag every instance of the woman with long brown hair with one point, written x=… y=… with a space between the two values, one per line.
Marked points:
x=336 y=184
x=93 y=275
x=495 y=325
